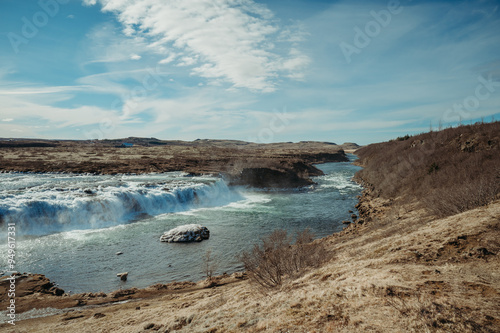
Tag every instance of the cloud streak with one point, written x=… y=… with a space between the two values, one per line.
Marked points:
x=229 y=40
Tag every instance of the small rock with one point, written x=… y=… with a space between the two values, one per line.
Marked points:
x=346 y=222
x=56 y=291
x=239 y=275
x=119 y=253
x=81 y=302
x=149 y=326
x=68 y=316
x=98 y=315
x=123 y=292
x=122 y=276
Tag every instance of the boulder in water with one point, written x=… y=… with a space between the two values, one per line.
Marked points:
x=186 y=233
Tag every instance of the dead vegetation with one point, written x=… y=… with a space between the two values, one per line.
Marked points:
x=449 y=172
x=276 y=259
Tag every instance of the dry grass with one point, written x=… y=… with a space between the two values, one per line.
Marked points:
x=449 y=172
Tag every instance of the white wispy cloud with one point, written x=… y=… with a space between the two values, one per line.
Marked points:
x=169 y=59
x=105 y=43
x=32 y=109
x=229 y=40
x=111 y=82
x=40 y=90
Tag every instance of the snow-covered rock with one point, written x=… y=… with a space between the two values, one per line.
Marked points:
x=186 y=233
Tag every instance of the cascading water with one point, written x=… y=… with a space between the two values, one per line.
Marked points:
x=45 y=204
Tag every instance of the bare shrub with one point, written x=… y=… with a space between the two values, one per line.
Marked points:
x=276 y=258
x=465 y=195
x=424 y=314
x=210 y=264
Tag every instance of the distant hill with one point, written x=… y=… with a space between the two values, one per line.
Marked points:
x=26 y=143
x=350 y=146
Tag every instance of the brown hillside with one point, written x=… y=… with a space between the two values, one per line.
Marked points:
x=449 y=171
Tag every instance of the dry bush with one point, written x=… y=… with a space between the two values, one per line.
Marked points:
x=450 y=171
x=210 y=264
x=276 y=258
x=466 y=194
x=423 y=313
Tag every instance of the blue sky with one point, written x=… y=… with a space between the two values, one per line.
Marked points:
x=338 y=71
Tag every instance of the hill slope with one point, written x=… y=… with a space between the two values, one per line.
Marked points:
x=448 y=172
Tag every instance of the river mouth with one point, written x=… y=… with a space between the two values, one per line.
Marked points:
x=85 y=260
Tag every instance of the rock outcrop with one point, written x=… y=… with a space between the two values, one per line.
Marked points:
x=27 y=284
x=269 y=178
x=290 y=174
x=186 y=233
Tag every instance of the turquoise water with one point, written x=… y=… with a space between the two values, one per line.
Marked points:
x=91 y=219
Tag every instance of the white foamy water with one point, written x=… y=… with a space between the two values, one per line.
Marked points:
x=49 y=203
